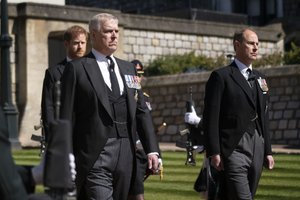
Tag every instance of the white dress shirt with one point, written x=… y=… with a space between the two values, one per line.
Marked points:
x=243 y=68
x=104 y=65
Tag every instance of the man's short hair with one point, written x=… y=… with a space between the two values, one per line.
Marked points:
x=74 y=31
x=97 y=20
x=239 y=35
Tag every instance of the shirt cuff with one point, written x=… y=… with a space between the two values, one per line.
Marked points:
x=153 y=153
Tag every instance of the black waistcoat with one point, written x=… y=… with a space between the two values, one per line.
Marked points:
x=120 y=113
x=255 y=120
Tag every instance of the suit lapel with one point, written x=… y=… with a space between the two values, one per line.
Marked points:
x=96 y=78
x=258 y=90
x=61 y=66
x=242 y=82
x=259 y=97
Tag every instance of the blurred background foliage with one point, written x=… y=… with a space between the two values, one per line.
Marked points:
x=189 y=62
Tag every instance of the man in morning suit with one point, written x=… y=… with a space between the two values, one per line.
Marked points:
x=235 y=120
x=75 y=41
x=103 y=100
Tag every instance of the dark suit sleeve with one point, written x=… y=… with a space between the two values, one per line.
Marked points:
x=211 y=113
x=267 y=138
x=145 y=126
x=47 y=101
x=268 y=148
x=68 y=81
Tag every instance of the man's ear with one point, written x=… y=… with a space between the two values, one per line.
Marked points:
x=236 y=44
x=92 y=35
x=66 y=44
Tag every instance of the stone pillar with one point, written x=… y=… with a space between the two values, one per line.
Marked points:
x=33 y=70
x=33 y=63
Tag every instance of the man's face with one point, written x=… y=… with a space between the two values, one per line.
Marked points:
x=76 y=47
x=140 y=75
x=247 y=50
x=106 y=41
x=138 y=67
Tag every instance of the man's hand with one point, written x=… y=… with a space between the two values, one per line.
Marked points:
x=191 y=117
x=269 y=162
x=216 y=162
x=153 y=163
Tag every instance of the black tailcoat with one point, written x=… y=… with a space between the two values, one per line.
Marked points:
x=85 y=102
x=229 y=108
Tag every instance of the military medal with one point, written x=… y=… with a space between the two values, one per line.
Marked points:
x=132 y=81
x=263 y=84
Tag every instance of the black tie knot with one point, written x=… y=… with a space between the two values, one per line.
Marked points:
x=111 y=63
x=251 y=76
x=113 y=78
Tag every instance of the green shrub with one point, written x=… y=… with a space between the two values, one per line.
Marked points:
x=292 y=56
x=269 y=60
x=175 y=64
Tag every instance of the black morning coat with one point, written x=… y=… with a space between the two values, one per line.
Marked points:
x=86 y=104
x=52 y=74
x=229 y=108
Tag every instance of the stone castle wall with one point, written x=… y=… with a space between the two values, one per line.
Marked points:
x=141 y=37
x=168 y=96
x=148 y=45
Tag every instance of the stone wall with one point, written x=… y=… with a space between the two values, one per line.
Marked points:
x=146 y=38
x=168 y=95
x=285 y=104
x=148 y=45
x=141 y=37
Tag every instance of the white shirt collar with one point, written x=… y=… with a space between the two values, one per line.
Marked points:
x=103 y=66
x=243 y=68
x=99 y=56
x=68 y=59
x=241 y=65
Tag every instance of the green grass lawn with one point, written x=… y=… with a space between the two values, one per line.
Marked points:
x=281 y=183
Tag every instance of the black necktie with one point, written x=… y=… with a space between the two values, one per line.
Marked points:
x=251 y=77
x=251 y=80
x=113 y=78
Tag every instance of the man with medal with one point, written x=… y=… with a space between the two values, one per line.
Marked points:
x=235 y=121
x=107 y=108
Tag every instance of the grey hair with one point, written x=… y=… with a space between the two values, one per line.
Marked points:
x=96 y=21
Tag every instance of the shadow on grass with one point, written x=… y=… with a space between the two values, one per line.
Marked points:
x=183 y=182
x=274 y=197
x=279 y=178
x=175 y=191
x=282 y=188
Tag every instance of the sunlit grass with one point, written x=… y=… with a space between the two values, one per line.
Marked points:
x=282 y=183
